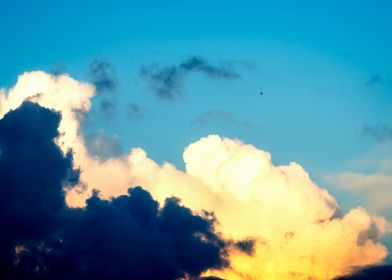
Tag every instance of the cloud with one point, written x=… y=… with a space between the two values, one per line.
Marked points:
x=218 y=116
x=378 y=132
x=103 y=146
x=134 y=111
x=247 y=246
x=33 y=171
x=368 y=179
x=199 y=64
x=127 y=237
x=108 y=108
x=103 y=75
x=58 y=70
x=297 y=226
x=382 y=272
x=279 y=207
x=374 y=80
x=167 y=81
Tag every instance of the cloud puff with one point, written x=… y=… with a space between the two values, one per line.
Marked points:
x=167 y=81
x=127 y=237
x=297 y=227
x=103 y=75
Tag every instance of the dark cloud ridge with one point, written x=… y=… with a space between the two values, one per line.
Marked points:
x=127 y=237
x=380 y=272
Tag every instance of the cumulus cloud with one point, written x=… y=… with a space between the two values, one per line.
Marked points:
x=296 y=227
x=103 y=75
x=199 y=64
x=167 y=81
x=127 y=237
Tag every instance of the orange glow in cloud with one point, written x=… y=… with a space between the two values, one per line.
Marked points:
x=298 y=230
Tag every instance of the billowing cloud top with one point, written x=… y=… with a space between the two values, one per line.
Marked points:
x=297 y=229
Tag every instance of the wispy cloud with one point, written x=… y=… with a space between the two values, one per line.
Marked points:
x=374 y=80
x=218 y=116
x=108 y=108
x=134 y=111
x=103 y=75
x=380 y=132
x=167 y=81
x=103 y=146
x=199 y=64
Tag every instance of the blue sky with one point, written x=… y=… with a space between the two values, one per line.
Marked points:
x=324 y=68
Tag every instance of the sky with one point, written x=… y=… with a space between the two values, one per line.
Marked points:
x=278 y=110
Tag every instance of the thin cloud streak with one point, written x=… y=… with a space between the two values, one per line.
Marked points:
x=167 y=81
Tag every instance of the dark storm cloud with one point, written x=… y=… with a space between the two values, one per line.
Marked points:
x=378 y=132
x=127 y=237
x=134 y=111
x=167 y=81
x=103 y=146
x=382 y=272
x=33 y=172
x=108 y=108
x=103 y=75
